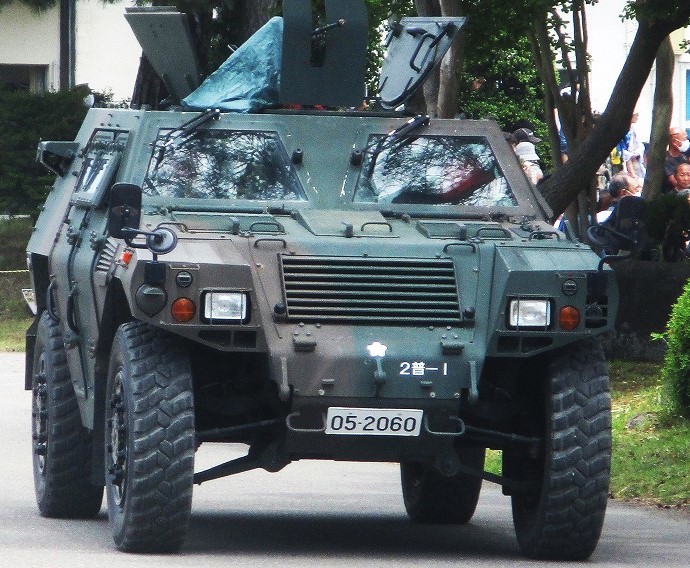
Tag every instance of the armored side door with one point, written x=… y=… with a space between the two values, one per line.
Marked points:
x=74 y=295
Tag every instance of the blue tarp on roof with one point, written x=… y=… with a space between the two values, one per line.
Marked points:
x=249 y=80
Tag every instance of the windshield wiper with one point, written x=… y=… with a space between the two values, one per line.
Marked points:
x=437 y=214
x=394 y=138
x=179 y=136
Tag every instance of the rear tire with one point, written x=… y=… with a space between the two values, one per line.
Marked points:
x=563 y=518
x=62 y=447
x=431 y=497
x=149 y=439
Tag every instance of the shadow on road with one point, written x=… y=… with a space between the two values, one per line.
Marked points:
x=343 y=535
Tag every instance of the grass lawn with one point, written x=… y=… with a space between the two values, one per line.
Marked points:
x=15 y=316
x=12 y=333
x=651 y=450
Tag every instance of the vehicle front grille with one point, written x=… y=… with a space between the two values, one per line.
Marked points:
x=355 y=290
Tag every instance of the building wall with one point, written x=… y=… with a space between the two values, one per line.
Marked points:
x=29 y=38
x=107 y=52
x=609 y=43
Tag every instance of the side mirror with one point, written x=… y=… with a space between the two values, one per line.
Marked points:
x=124 y=213
x=57 y=156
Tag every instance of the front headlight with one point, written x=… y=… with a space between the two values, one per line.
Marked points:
x=225 y=306
x=529 y=313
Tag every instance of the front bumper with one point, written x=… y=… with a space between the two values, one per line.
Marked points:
x=307 y=438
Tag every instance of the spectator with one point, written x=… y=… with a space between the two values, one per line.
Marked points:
x=633 y=152
x=678 y=153
x=477 y=83
x=603 y=205
x=563 y=145
x=682 y=179
x=523 y=140
x=621 y=185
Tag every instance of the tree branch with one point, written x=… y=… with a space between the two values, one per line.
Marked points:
x=565 y=184
x=661 y=120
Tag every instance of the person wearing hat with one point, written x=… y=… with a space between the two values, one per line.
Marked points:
x=523 y=140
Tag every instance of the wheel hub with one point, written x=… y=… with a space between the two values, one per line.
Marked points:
x=39 y=415
x=117 y=449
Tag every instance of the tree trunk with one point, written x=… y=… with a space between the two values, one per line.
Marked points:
x=545 y=69
x=449 y=71
x=661 y=120
x=441 y=90
x=427 y=7
x=252 y=14
x=149 y=88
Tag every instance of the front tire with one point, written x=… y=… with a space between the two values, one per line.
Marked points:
x=431 y=497
x=149 y=439
x=562 y=519
x=62 y=447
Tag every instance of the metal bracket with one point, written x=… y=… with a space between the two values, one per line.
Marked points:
x=451 y=434
x=288 y=423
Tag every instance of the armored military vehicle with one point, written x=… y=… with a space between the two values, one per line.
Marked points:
x=284 y=270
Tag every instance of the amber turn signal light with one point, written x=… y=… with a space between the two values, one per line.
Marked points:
x=569 y=318
x=183 y=309
x=126 y=257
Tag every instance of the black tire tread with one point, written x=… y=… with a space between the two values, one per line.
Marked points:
x=65 y=490
x=162 y=447
x=575 y=490
x=439 y=499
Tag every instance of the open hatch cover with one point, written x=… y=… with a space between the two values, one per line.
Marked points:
x=415 y=47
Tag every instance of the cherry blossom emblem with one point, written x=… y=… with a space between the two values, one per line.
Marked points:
x=377 y=349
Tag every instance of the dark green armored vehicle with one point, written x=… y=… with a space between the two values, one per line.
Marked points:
x=316 y=283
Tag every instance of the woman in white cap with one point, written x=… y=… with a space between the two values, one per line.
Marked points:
x=523 y=140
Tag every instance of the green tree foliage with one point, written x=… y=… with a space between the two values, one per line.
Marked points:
x=497 y=76
x=676 y=369
x=24 y=120
x=500 y=81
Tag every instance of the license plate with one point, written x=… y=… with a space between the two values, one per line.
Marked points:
x=373 y=421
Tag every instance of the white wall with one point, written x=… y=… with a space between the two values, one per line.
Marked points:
x=609 y=43
x=107 y=51
x=18 y=28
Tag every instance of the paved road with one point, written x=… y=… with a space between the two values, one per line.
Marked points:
x=310 y=514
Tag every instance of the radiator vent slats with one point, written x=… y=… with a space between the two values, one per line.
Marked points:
x=370 y=290
x=105 y=258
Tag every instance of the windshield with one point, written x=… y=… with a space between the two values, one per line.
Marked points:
x=434 y=170
x=223 y=164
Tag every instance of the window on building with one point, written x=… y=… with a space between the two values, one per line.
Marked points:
x=32 y=78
